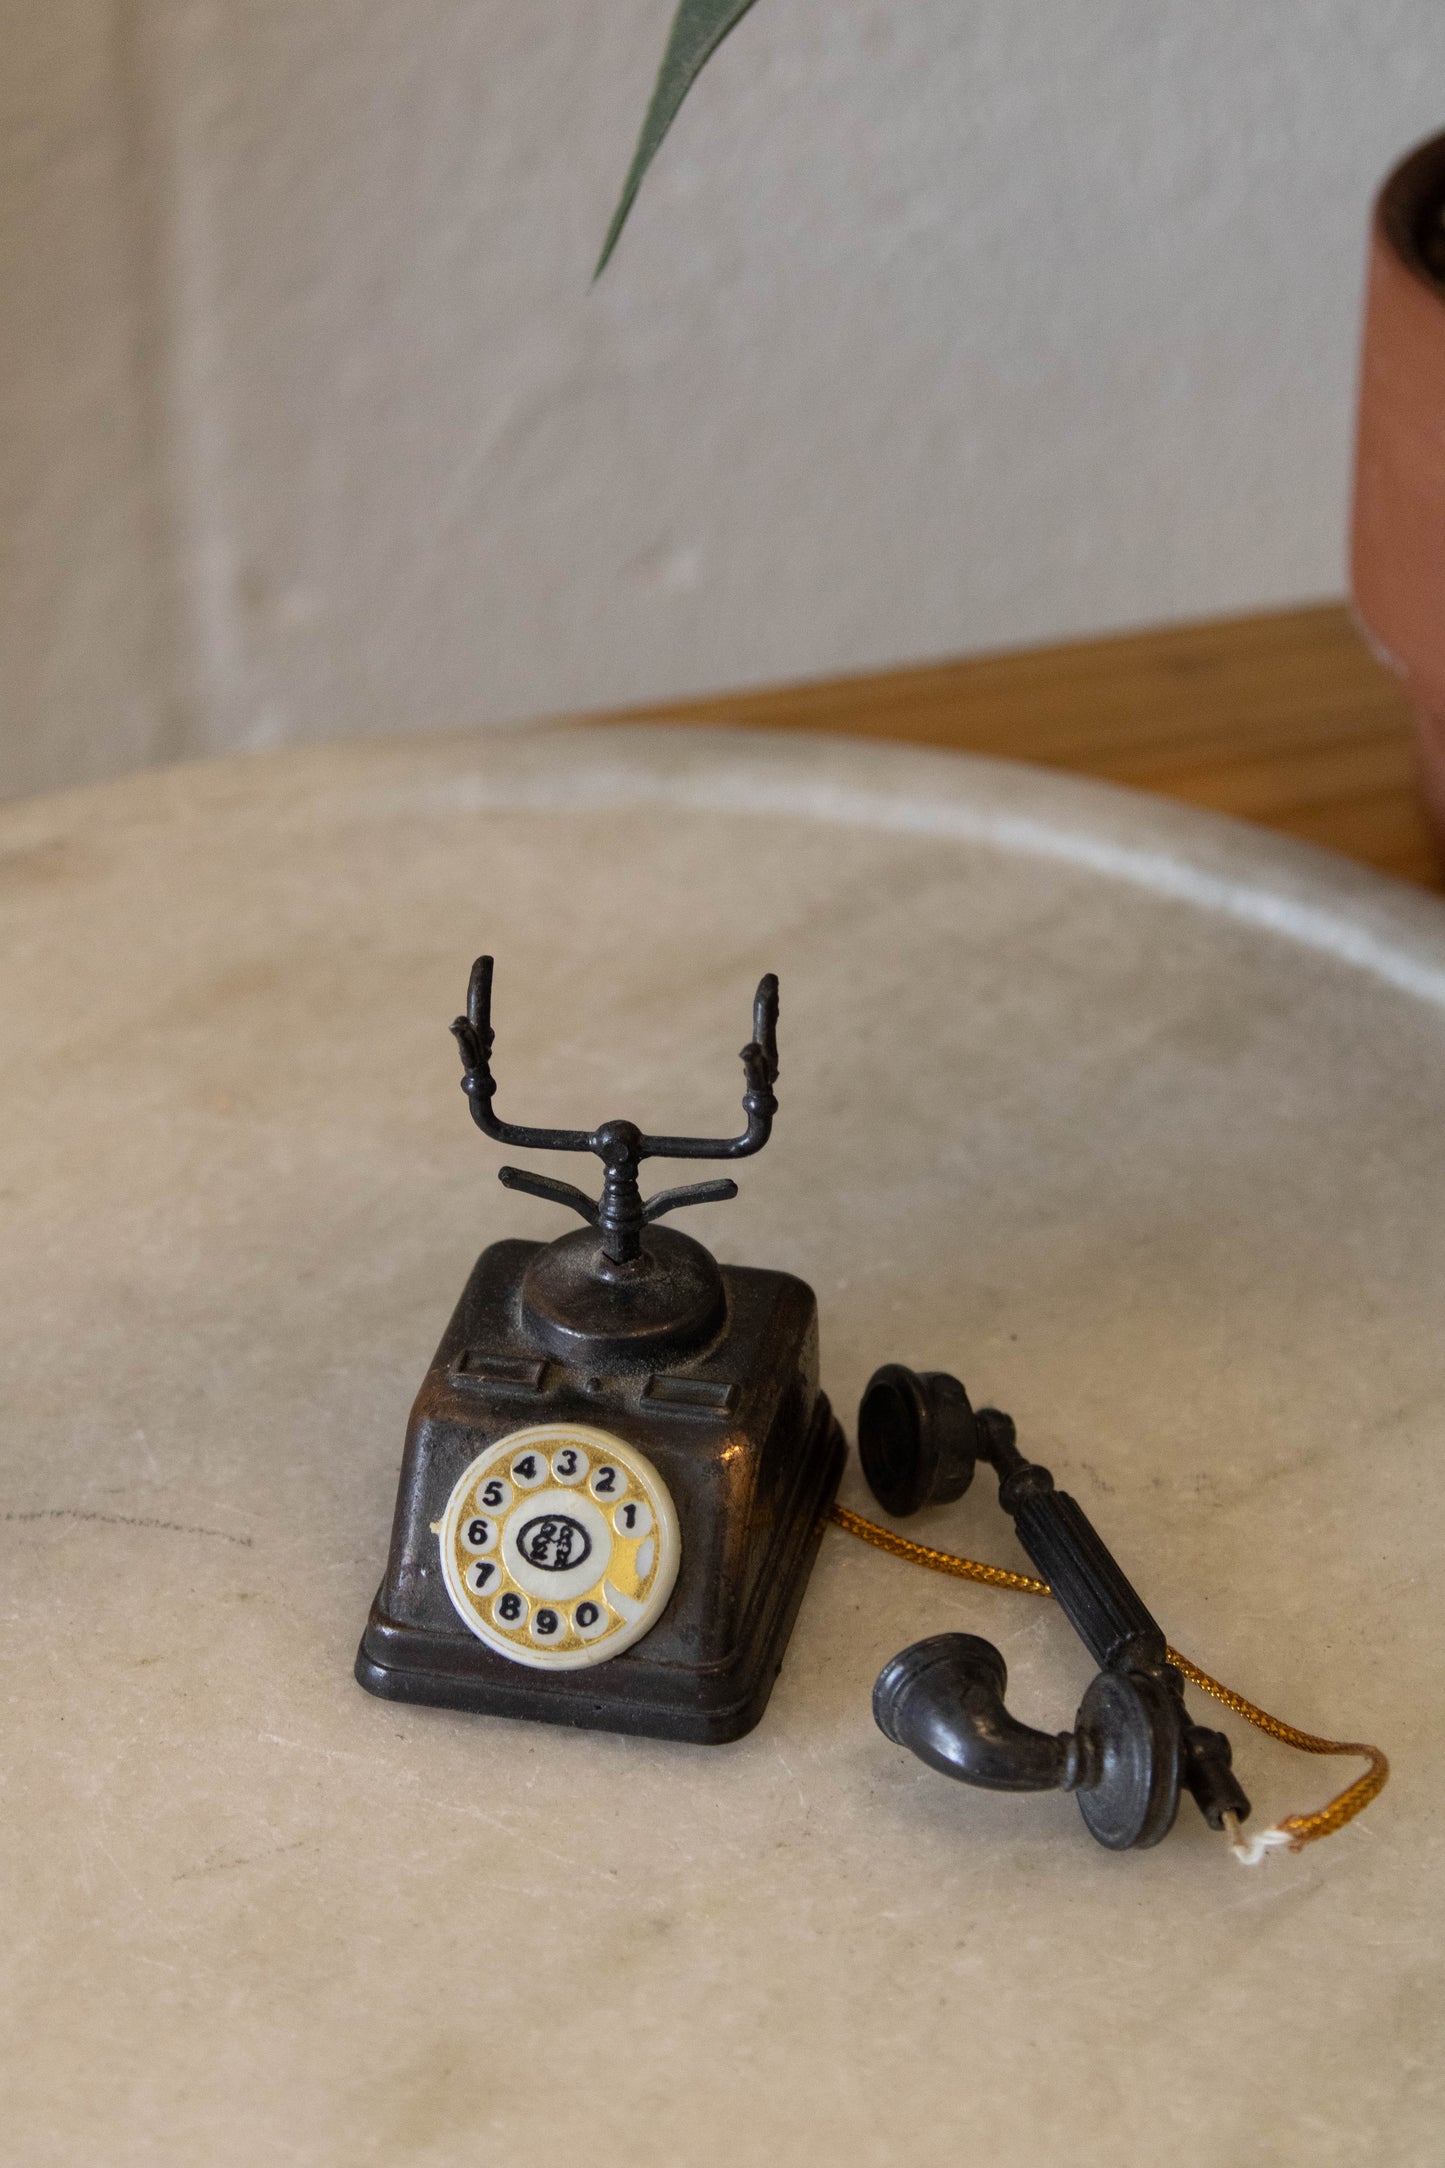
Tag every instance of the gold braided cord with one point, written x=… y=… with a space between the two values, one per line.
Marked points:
x=1301 y=1829
x=918 y=1554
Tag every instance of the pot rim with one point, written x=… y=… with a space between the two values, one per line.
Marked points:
x=1415 y=187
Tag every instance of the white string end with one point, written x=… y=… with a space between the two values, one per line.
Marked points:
x=1253 y=1851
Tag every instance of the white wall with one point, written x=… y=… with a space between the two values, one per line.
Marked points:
x=941 y=325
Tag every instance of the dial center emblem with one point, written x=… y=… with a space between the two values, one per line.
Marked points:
x=554 y=1542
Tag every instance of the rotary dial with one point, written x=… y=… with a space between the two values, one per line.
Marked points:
x=559 y=1546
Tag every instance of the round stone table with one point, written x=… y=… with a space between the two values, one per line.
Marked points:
x=1132 y=1118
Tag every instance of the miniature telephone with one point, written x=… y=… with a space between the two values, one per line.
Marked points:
x=617 y=1474
x=619 y=1464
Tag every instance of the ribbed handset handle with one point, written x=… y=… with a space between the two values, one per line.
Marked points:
x=1100 y=1602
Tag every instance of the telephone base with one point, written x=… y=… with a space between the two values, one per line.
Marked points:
x=453 y=1671
x=747 y=1448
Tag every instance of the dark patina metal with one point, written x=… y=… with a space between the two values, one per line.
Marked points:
x=1134 y=1747
x=710 y=1370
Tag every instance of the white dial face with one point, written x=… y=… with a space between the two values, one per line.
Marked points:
x=559 y=1546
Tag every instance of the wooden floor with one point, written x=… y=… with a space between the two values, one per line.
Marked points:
x=1283 y=719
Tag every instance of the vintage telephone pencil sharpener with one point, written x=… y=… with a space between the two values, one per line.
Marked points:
x=618 y=1464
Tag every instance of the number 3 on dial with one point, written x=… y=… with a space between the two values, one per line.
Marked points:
x=559 y=1546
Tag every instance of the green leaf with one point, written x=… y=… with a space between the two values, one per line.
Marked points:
x=698 y=29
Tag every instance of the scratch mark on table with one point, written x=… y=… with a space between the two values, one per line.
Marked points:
x=246 y=1859
x=129 y=1520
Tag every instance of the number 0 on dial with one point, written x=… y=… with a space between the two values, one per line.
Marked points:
x=559 y=1546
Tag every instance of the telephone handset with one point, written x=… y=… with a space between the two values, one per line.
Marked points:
x=619 y=1464
x=1133 y=1747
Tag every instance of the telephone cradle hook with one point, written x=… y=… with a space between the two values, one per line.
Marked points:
x=617 y=1290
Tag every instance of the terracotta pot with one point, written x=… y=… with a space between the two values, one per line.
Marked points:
x=1398 y=564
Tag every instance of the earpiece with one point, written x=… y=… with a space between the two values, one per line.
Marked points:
x=917 y=1438
x=943 y=1700
x=1133 y=1745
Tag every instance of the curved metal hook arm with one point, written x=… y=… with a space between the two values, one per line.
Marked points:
x=475 y=1037
x=760 y=1073
x=619 y=1213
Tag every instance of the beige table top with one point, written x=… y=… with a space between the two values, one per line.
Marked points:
x=1131 y=1117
